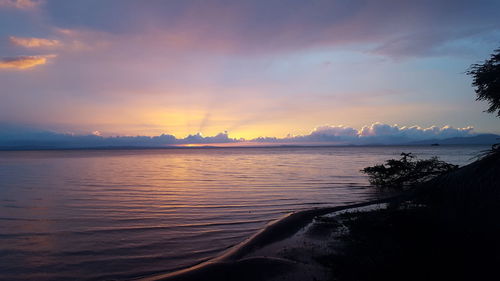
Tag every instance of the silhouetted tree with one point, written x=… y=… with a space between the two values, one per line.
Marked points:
x=406 y=171
x=486 y=80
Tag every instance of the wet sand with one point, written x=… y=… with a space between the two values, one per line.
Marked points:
x=287 y=249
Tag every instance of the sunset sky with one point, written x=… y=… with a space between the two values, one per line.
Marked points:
x=251 y=68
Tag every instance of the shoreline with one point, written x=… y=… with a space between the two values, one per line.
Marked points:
x=278 y=230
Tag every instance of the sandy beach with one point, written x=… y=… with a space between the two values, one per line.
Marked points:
x=286 y=249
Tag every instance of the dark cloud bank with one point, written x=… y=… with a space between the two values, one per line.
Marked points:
x=15 y=137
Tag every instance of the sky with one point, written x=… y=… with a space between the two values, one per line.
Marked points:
x=210 y=70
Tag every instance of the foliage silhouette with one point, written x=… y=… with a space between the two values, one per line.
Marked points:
x=486 y=80
x=407 y=171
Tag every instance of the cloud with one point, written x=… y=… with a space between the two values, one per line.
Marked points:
x=32 y=42
x=20 y=4
x=18 y=136
x=24 y=62
x=335 y=131
x=390 y=27
x=414 y=132
x=378 y=129
x=14 y=136
x=377 y=133
x=199 y=139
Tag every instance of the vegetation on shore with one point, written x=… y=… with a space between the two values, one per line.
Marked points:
x=407 y=171
x=410 y=243
x=444 y=229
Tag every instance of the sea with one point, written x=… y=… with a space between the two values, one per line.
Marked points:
x=122 y=214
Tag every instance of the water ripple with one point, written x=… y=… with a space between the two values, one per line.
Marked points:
x=98 y=215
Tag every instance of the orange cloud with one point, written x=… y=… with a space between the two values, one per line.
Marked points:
x=24 y=62
x=20 y=4
x=32 y=42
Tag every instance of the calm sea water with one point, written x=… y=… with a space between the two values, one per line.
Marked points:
x=119 y=214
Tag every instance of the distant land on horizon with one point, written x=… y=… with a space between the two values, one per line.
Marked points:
x=486 y=139
x=480 y=139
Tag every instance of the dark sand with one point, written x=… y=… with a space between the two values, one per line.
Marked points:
x=286 y=249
